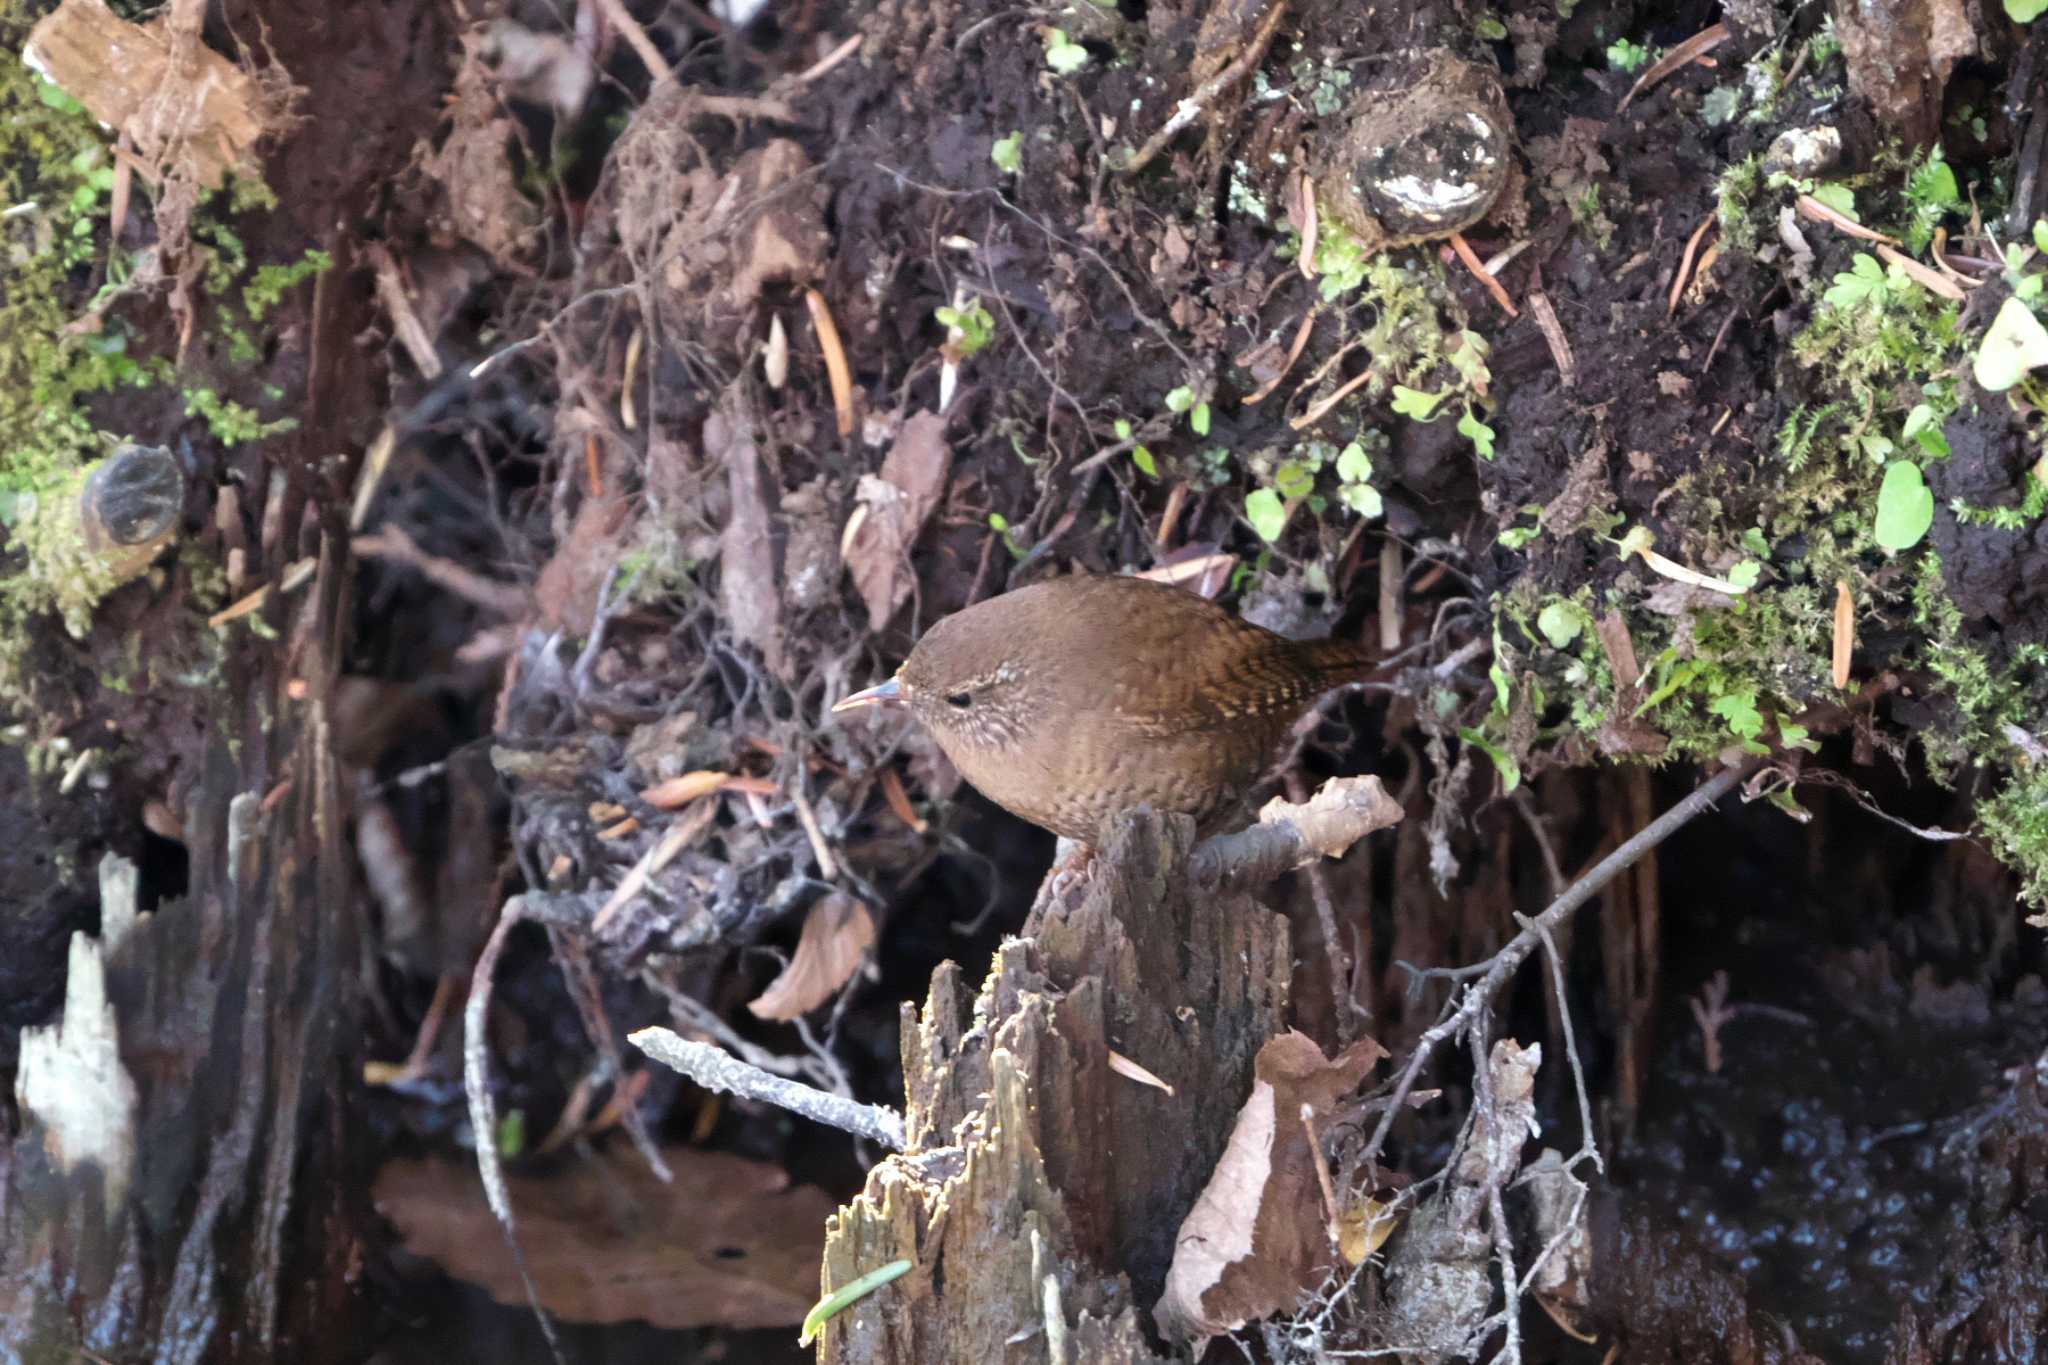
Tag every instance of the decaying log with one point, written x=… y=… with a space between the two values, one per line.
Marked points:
x=172 y=1192
x=1040 y=1191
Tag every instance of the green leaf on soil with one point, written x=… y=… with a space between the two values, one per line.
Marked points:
x=2014 y=345
x=1561 y=623
x=1905 y=507
x=1267 y=514
x=1510 y=771
x=1417 y=404
x=1063 y=54
x=1008 y=153
x=1478 y=433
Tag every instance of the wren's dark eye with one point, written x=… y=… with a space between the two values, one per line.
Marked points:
x=960 y=700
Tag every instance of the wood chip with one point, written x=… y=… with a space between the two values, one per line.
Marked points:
x=678 y=792
x=1553 y=334
x=1131 y=1071
x=1845 y=632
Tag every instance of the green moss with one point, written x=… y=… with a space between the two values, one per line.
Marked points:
x=55 y=174
x=2015 y=824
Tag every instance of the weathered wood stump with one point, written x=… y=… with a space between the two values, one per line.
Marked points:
x=1040 y=1191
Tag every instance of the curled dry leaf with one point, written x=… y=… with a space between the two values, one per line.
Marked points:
x=1559 y=1205
x=837 y=932
x=747 y=586
x=729 y=1243
x=684 y=788
x=1257 y=1236
x=893 y=510
x=573 y=578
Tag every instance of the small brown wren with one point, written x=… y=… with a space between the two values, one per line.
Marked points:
x=1075 y=699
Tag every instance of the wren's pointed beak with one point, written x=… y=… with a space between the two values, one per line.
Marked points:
x=890 y=691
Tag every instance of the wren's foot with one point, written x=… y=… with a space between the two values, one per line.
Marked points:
x=1071 y=865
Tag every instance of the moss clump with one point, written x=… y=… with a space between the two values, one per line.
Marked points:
x=2015 y=824
x=56 y=175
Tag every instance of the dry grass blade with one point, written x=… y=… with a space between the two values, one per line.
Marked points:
x=1305 y=191
x=1321 y=410
x=1933 y=280
x=1701 y=43
x=1692 y=246
x=837 y=371
x=1482 y=274
x=1308 y=322
x=1812 y=209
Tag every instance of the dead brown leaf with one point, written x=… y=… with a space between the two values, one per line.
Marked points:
x=837 y=932
x=730 y=1243
x=1258 y=1237
x=573 y=578
x=747 y=585
x=897 y=503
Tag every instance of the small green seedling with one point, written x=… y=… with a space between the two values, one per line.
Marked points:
x=1354 y=472
x=1182 y=400
x=1062 y=53
x=1510 y=771
x=1624 y=55
x=1266 y=512
x=975 y=324
x=847 y=1295
x=2025 y=11
x=1008 y=153
x=1140 y=456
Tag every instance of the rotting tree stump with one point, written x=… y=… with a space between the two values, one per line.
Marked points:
x=173 y=1193
x=1040 y=1192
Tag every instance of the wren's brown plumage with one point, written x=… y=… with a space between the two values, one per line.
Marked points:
x=1070 y=701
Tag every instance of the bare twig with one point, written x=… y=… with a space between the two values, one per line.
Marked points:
x=1185 y=112
x=715 y=1069
x=1701 y=43
x=1495 y=971
x=1343 y=811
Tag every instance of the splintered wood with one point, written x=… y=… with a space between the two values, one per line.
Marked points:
x=186 y=107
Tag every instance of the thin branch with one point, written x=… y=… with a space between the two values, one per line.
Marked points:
x=718 y=1070
x=1495 y=971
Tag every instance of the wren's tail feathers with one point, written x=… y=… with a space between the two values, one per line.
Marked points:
x=1338 y=661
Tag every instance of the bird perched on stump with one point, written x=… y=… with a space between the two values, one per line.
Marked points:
x=1076 y=699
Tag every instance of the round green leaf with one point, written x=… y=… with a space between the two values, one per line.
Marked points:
x=1267 y=514
x=1905 y=507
